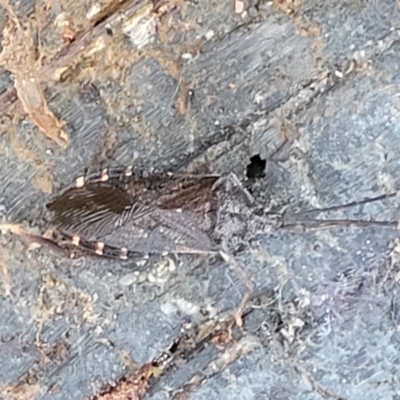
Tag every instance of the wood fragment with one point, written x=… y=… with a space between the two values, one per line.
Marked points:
x=18 y=57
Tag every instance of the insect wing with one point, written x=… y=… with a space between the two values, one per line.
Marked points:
x=92 y=211
x=110 y=221
x=162 y=231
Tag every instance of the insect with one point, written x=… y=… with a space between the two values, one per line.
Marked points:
x=117 y=213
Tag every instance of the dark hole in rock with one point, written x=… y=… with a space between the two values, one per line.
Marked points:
x=256 y=168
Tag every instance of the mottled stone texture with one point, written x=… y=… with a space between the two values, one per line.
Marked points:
x=310 y=86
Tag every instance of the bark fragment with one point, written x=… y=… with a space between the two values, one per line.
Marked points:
x=18 y=57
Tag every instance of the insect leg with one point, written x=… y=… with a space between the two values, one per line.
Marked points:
x=31 y=237
x=233 y=183
x=239 y=271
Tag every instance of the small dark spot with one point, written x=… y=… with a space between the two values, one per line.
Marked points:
x=256 y=167
x=174 y=347
x=317 y=248
x=109 y=32
x=25 y=348
x=240 y=248
x=100 y=20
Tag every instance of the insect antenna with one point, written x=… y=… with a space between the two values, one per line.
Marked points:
x=302 y=220
x=314 y=224
x=347 y=205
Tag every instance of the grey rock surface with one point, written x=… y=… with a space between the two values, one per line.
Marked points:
x=311 y=87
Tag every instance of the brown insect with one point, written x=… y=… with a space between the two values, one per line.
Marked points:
x=119 y=214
